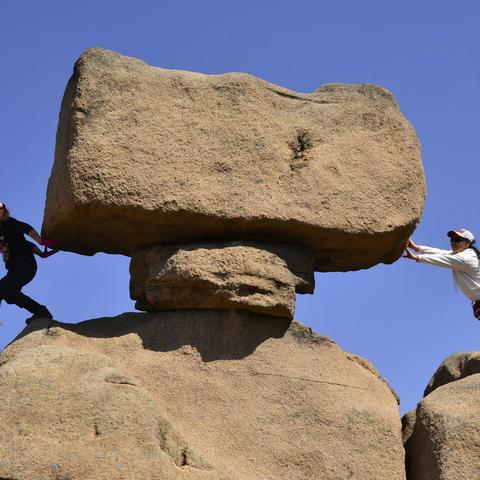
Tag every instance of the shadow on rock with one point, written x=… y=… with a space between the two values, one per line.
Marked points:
x=215 y=334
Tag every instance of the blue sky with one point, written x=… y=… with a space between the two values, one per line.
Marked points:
x=405 y=318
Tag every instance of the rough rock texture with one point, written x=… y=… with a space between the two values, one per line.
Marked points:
x=445 y=441
x=408 y=426
x=146 y=156
x=221 y=276
x=192 y=395
x=454 y=367
x=442 y=436
x=78 y=415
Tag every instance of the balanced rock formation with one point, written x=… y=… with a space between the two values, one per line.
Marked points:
x=257 y=277
x=228 y=192
x=442 y=435
x=192 y=395
x=147 y=156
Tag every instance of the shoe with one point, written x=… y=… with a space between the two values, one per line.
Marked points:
x=42 y=312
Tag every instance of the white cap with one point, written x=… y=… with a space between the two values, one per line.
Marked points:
x=461 y=232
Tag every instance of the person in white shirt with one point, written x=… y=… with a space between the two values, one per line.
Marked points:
x=463 y=259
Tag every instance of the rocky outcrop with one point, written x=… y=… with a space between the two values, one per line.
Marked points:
x=147 y=156
x=257 y=277
x=454 y=367
x=79 y=415
x=228 y=192
x=442 y=436
x=192 y=395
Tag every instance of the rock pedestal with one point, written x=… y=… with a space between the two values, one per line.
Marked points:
x=236 y=275
x=192 y=395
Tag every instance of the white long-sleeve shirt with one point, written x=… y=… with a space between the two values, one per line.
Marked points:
x=465 y=266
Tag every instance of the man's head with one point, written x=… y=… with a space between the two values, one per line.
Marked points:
x=4 y=212
x=461 y=239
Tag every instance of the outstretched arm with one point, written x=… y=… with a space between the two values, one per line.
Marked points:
x=424 y=249
x=460 y=261
x=35 y=236
x=43 y=254
x=435 y=256
x=410 y=255
x=42 y=241
x=411 y=244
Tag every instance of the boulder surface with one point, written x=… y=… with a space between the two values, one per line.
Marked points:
x=225 y=276
x=147 y=155
x=442 y=436
x=192 y=395
x=454 y=367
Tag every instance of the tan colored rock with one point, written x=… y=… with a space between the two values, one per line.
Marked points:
x=224 y=276
x=445 y=441
x=408 y=425
x=78 y=415
x=454 y=367
x=441 y=436
x=147 y=156
x=192 y=395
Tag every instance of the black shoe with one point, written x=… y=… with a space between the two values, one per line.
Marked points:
x=42 y=312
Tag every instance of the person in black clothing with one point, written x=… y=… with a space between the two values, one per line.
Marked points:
x=18 y=255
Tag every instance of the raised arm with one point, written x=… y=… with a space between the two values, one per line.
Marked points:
x=461 y=261
x=45 y=253
x=33 y=234
x=425 y=249
x=432 y=250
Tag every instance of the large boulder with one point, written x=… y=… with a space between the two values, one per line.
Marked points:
x=445 y=443
x=192 y=396
x=442 y=435
x=146 y=155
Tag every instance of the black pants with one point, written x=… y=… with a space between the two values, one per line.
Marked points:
x=19 y=274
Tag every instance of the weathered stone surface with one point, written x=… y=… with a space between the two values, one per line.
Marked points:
x=454 y=367
x=445 y=441
x=221 y=276
x=442 y=436
x=408 y=425
x=192 y=395
x=146 y=156
x=78 y=415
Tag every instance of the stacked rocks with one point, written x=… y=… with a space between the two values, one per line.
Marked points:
x=228 y=193
x=148 y=157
